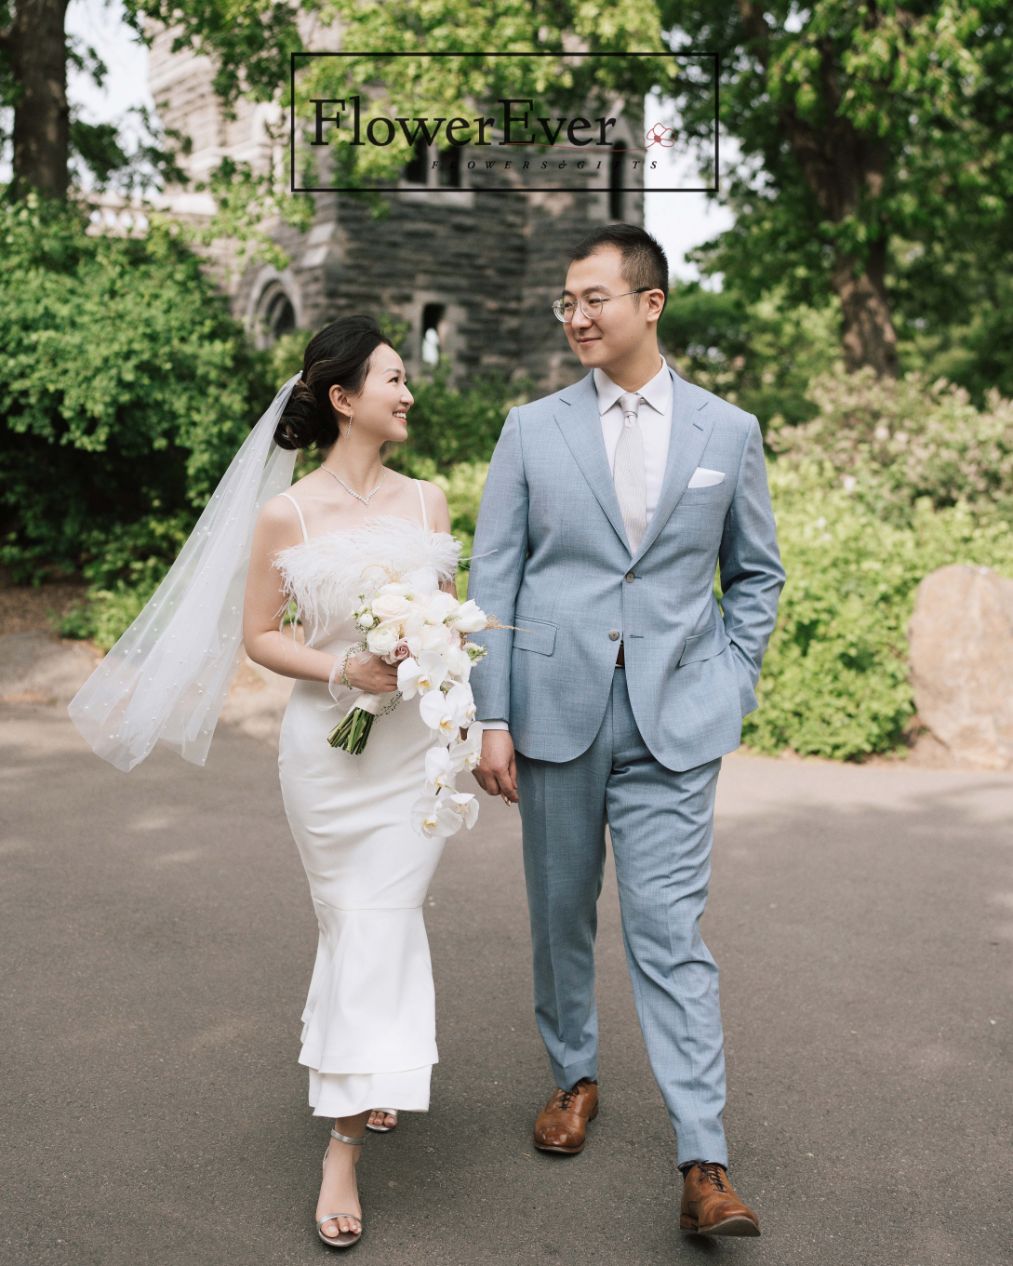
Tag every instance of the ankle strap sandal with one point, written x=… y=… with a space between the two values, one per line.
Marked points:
x=344 y=1239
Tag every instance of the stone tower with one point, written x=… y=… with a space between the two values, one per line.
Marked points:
x=465 y=259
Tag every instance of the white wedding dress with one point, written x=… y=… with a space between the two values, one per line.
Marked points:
x=368 y=1027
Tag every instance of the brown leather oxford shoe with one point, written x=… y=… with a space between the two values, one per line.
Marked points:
x=710 y=1205
x=561 y=1126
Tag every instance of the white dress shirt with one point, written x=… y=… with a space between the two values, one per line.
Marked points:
x=655 y=417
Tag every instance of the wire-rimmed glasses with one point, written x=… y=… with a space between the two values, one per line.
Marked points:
x=563 y=309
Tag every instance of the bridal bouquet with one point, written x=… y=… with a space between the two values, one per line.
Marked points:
x=425 y=634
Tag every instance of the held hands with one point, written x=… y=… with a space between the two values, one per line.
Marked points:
x=496 y=772
x=364 y=671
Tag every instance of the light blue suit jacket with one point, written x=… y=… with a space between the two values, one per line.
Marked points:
x=551 y=556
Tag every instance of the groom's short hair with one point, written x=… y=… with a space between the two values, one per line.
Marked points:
x=645 y=263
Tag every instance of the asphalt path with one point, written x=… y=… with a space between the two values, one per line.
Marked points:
x=158 y=938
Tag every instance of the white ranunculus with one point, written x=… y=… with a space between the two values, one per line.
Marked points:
x=382 y=640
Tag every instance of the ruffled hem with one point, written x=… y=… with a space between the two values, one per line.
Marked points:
x=345 y=1094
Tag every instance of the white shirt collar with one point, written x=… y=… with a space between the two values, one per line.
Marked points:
x=655 y=392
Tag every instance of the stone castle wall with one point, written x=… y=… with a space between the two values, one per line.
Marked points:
x=483 y=261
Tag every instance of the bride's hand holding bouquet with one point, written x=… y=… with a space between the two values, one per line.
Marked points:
x=416 y=643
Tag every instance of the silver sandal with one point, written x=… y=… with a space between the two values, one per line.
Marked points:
x=343 y=1239
x=384 y=1129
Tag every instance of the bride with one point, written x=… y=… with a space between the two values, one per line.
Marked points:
x=368 y=1025
x=368 y=1030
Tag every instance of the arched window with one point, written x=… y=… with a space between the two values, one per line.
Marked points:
x=431 y=348
x=617 y=179
x=275 y=315
x=279 y=316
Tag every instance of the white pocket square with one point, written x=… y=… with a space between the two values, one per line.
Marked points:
x=704 y=478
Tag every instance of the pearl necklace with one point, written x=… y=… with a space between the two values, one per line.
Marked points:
x=366 y=499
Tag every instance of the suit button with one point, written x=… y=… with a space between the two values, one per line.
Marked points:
x=631 y=575
x=613 y=635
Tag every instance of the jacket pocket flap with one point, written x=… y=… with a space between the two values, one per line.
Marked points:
x=705 y=645
x=534 y=635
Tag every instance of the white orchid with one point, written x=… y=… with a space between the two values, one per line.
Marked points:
x=441 y=768
x=438 y=714
x=458 y=663
x=427 y=673
x=461 y=703
x=464 y=805
x=431 y=817
x=466 y=753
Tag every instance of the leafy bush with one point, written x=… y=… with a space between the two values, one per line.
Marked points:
x=760 y=355
x=893 y=441
x=458 y=424
x=835 y=677
x=125 y=389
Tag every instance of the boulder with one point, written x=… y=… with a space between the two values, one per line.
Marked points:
x=961 y=654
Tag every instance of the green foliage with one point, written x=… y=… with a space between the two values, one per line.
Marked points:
x=869 y=135
x=438 y=87
x=125 y=389
x=761 y=355
x=892 y=441
x=458 y=424
x=835 y=677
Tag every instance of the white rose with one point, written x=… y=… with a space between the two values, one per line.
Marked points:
x=390 y=606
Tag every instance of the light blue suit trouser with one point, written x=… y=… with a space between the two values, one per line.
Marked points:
x=661 y=826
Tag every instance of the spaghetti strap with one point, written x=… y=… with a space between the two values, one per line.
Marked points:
x=302 y=521
x=422 y=502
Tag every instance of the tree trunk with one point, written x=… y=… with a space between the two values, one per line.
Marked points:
x=36 y=45
x=842 y=168
x=867 y=335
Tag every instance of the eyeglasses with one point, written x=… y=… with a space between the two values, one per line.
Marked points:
x=591 y=308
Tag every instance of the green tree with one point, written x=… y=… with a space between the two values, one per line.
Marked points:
x=125 y=388
x=874 y=139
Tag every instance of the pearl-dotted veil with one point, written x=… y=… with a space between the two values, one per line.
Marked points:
x=168 y=675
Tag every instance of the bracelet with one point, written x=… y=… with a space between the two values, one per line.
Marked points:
x=356 y=646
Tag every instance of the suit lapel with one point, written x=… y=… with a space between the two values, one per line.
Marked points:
x=691 y=428
x=579 y=423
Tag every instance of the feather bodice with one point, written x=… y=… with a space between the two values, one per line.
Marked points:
x=327 y=573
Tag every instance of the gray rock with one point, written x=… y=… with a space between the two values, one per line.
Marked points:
x=961 y=656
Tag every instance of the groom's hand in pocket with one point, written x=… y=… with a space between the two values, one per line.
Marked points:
x=496 y=772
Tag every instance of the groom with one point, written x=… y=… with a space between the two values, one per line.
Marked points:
x=607 y=508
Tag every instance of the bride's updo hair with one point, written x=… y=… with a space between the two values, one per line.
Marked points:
x=337 y=356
